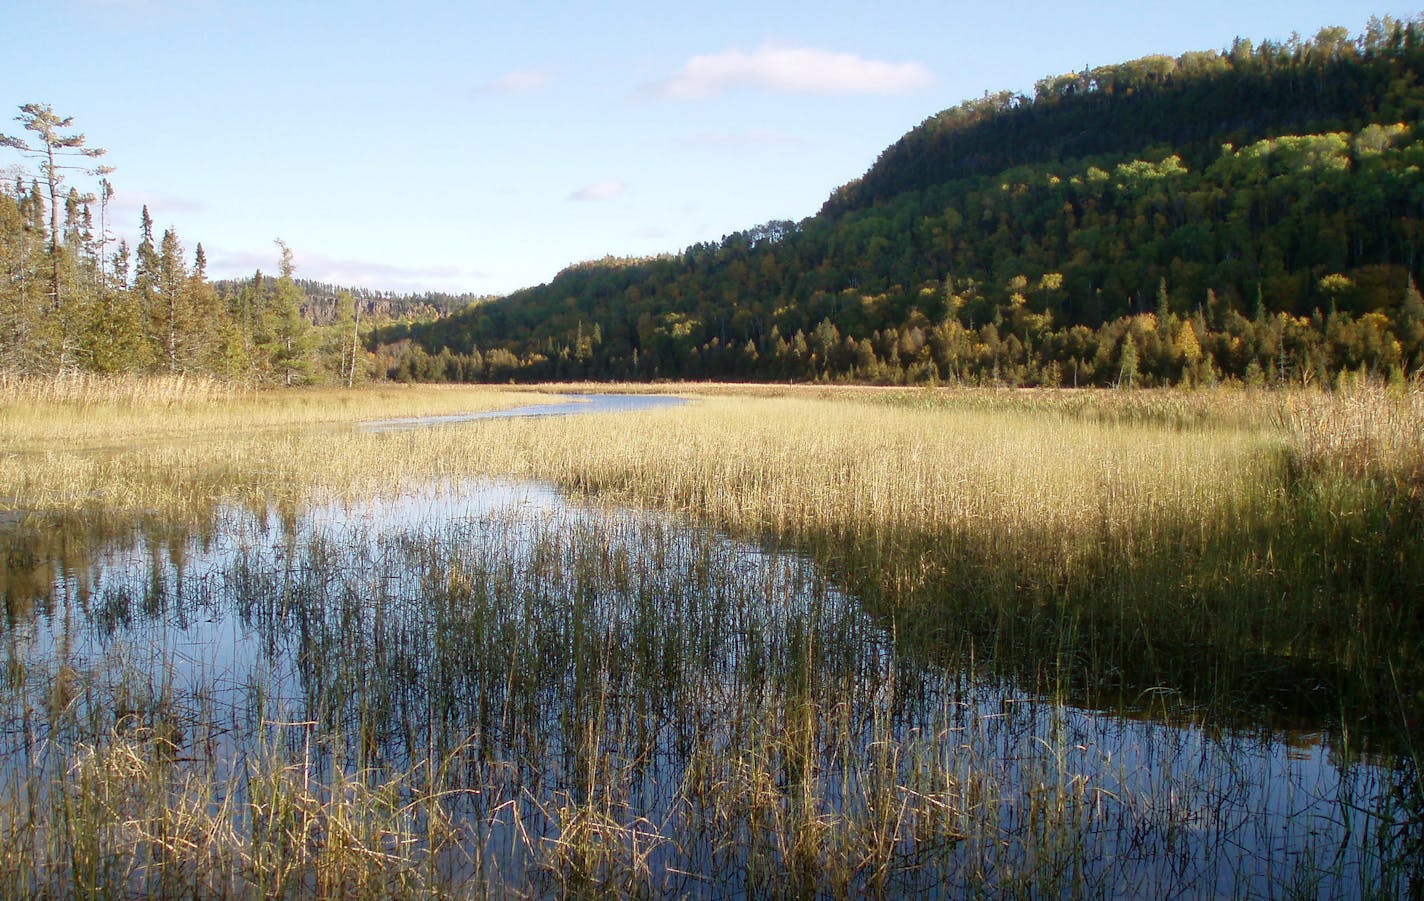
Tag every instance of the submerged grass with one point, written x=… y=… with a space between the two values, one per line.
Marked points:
x=579 y=704
x=125 y=818
x=606 y=708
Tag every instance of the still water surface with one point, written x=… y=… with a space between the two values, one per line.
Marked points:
x=579 y=405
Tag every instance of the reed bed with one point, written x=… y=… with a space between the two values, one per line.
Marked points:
x=1124 y=554
x=88 y=412
x=533 y=699
x=1250 y=409
x=1163 y=543
x=87 y=389
x=876 y=684
x=116 y=449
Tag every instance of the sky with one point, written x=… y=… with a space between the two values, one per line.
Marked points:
x=466 y=146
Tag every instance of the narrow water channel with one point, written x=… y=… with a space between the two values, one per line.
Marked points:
x=572 y=405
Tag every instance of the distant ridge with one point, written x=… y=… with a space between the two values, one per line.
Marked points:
x=1193 y=103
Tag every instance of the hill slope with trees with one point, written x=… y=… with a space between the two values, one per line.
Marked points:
x=1253 y=214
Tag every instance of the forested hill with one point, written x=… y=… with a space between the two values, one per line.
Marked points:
x=1193 y=103
x=1252 y=214
x=321 y=301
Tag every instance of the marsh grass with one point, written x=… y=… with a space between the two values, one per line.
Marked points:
x=604 y=707
x=175 y=451
x=1251 y=410
x=89 y=412
x=123 y=818
x=580 y=703
x=1112 y=548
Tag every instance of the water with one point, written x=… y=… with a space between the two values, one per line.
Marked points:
x=583 y=404
x=728 y=717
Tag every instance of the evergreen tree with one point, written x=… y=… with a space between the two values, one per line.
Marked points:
x=290 y=335
x=170 y=316
x=55 y=150
x=145 y=283
x=24 y=329
x=204 y=313
x=1411 y=327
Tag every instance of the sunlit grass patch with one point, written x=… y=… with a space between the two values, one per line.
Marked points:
x=168 y=448
x=77 y=411
x=784 y=642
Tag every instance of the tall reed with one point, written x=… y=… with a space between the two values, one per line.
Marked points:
x=535 y=699
x=609 y=703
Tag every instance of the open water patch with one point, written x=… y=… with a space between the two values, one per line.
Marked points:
x=571 y=406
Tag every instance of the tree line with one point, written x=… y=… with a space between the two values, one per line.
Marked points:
x=74 y=297
x=1249 y=215
x=1246 y=253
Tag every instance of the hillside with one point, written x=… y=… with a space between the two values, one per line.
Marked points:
x=1250 y=214
x=321 y=301
x=1193 y=104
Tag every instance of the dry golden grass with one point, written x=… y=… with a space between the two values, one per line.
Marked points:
x=1031 y=473
x=1367 y=432
x=80 y=411
x=121 y=818
x=1087 y=538
x=1045 y=475
x=1016 y=482
x=1231 y=544
x=171 y=447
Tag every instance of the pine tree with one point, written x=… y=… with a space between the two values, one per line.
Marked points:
x=205 y=316
x=170 y=325
x=55 y=149
x=145 y=280
x=23 y=327
x=1410 y=327
x=117 y=340
x=290 y=334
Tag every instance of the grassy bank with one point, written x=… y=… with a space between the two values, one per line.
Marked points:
x=1164 y=539
x=636 y=704
x=77 y=411
x=175 y=449
x=1231 y=545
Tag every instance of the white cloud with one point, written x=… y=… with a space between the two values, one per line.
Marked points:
x=603 y=190
x=791 y=70
x=523 y=81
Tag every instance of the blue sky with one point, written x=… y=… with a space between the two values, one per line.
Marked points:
x=468 y=146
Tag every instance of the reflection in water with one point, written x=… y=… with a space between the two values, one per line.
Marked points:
x=618 y=696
